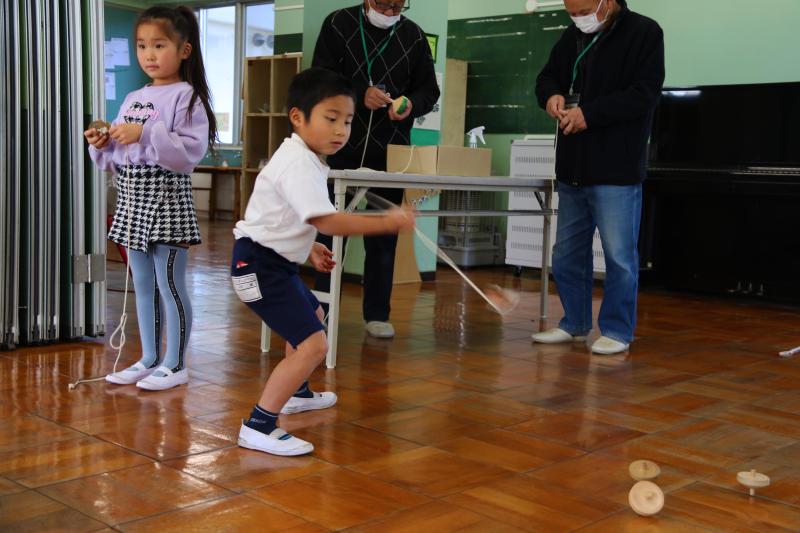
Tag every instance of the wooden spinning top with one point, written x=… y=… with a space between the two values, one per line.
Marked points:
x=504 y=300
x=644 y=470
x=753 y=480
x=646 y=498
x=400 y=105
x=101 y=126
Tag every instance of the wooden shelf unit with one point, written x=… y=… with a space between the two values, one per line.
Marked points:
x=265 y=121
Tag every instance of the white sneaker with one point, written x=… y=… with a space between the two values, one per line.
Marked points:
x=607 y=346
x=167 y=381
x=130 y=375
x=321 y=400
x=277 y=443
x=556 y=336
x=380 y=330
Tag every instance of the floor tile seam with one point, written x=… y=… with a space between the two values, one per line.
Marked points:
x=36 y=490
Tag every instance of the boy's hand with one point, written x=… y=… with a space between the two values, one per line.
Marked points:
x=400 y=219
x=321 y=258
x=573 y=121
x=126 y=133
x=97 y=139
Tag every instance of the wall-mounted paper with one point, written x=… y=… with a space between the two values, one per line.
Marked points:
x=111 y=86
x=121 y=51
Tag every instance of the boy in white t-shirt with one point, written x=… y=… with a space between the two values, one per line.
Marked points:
x=288 y=206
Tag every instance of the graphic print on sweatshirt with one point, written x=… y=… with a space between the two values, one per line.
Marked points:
x=139 y=113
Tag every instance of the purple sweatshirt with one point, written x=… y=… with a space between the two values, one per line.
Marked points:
x=169 y=138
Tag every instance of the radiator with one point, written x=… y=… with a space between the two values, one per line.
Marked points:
x=52 y=202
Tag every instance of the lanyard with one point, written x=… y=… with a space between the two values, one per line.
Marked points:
x=577 y=61
x=364 y=42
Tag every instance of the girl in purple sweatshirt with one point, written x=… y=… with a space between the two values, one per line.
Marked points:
x=162 y=131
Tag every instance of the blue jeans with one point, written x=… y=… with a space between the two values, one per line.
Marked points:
x=616 y=211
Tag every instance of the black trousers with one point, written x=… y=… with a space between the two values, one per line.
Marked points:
x=378 y=265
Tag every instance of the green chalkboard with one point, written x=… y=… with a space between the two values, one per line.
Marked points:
x=505 y=55
x=291 y=42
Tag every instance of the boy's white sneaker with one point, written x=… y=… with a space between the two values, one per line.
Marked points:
x=277 y=443
x=169 y=380
x=556 y=336
x=607 y=346
x=130 y=375
x=321 y=400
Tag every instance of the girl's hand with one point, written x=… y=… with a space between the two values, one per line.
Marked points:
x=97 y=139
x=321 y=258
x=400 y=219
x=126 y=133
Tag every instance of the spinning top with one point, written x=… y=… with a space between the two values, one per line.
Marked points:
x=101 y=126
x=400 y=105
x=643 y=470
x=503 y=300
x=646 y=498
x=753 y=480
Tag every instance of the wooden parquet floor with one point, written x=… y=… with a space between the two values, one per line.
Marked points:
x=460 y=423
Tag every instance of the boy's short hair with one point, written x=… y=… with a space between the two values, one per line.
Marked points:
x=314 y=85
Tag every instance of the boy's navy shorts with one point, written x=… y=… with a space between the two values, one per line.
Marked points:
x=271 y=286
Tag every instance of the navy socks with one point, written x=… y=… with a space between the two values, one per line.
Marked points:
x=262 y=420
x=304 y=391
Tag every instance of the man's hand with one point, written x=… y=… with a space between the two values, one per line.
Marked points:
x=573 y=121
x=126 y=133
x=97 y=139
x=555 y=106
x=321 y=258
x=404 y=114
x=374 y=98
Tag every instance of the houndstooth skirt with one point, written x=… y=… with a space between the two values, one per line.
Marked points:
x=162 y=208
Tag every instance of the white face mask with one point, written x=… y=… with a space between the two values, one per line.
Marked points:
x=589 y=23
x=380 y=20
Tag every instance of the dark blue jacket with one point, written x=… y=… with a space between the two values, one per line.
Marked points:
x=619 y=82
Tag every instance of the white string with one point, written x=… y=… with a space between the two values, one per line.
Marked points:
x=123 y=318
x=376 y=200
x=790 y=353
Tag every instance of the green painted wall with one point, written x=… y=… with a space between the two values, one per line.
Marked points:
x=708 y=42
x=288 y=16
x=119 y=23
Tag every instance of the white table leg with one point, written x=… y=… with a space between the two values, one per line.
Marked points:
x=339 y=191
x=266 y=334
x=545 y=289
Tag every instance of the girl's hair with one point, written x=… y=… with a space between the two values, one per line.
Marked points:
x=180 y=24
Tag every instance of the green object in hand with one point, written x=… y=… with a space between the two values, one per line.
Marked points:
x=400 y=105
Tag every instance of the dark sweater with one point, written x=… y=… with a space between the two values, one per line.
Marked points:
x=619 y=82
x=405 y=68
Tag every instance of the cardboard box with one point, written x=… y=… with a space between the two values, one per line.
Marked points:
x=440 y=160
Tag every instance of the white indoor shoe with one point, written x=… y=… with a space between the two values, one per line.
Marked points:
x=380 y=330
x=277 y=443
x=168 y=380
x=321 y=400
x=607 y=346
x=130 y=375
x=556 y=336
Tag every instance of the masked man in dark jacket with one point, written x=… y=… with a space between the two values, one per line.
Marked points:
x=387 y=56
x=602 y=83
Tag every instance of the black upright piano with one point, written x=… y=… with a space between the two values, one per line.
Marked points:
x=722 y=198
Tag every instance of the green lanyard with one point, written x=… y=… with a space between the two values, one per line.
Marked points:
x=577 y=62
x=364 y=42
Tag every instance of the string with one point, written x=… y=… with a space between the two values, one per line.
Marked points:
x=123 y=319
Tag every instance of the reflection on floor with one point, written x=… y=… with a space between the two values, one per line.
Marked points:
x=458 y=424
